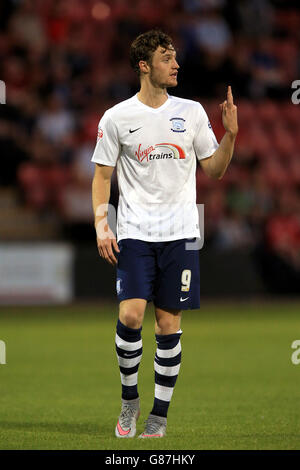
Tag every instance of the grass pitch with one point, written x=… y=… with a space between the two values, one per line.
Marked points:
x=237 y=387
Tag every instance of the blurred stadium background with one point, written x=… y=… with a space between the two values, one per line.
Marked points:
x=65 y=62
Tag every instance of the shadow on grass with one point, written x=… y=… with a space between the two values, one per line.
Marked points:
x=67 y=428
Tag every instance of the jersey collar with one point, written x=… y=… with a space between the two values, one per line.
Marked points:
x=153 y=110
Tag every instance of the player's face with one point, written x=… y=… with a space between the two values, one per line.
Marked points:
x=164 y=68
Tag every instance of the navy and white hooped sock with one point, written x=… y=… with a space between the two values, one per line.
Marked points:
x=129 y=353
x=166 y=365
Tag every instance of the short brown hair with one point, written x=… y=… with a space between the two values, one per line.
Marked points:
x=144 y=46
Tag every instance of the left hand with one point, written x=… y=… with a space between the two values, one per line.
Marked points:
x=229 y=114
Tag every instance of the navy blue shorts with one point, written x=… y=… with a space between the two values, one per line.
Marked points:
x=163 y=272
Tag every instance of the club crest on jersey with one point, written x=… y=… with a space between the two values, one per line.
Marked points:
x=100 y=134
x=118 y=286
x=162 y=151
x=178 y=124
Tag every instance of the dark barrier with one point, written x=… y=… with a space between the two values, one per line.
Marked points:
x=93 y=277
x=230 y=273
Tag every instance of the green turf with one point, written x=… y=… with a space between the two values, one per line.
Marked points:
x=237 y=387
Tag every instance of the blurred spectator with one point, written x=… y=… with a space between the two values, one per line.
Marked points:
x=280 y=254
x=26 y=25
x=233 y=232
x=214 y=208
x=65 y=63
x=255 y=17
x=193 y=6
x=267 y=76
x=212 y=33
x=55 y=122
x=283 y=229
x=262 y=198
x=16 y=79
x=83 y=169
x=57 y=22
x=43 y=178
x=240 y=196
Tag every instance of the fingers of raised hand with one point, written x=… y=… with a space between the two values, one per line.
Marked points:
x=232 y=109
x=223 y=106
x=229 y=97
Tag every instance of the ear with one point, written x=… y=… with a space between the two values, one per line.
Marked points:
x=144 y=67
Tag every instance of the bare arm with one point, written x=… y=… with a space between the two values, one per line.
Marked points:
x=216 y=165
x=106 y=240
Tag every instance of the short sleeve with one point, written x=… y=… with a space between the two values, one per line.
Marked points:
x=205 y=142
x=107 y=147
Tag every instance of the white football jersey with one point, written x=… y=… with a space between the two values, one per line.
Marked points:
x=155 y=151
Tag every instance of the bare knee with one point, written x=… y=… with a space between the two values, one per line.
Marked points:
x=167 y=322
x=131 y=318
x=165 y=326
x=132 y=312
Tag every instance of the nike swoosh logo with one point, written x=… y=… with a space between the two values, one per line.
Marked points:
x=134 y=130
x=121 y=431
x=182 y=300
x=129 y=355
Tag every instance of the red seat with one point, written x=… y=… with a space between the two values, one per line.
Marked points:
x=290 y=113
x=246 y=111
x=294 y=169
x=283 y=140
x=267 y=112
x=276 y=175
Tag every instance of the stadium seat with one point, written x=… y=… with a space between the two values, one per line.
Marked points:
x=246 y=111
x=294 y=169
x=290 y=114
x=275 y=173
x=283 y=140
x=267 y=112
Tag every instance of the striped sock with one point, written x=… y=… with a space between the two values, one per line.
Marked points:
x=129 y=353
x=166 y=365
